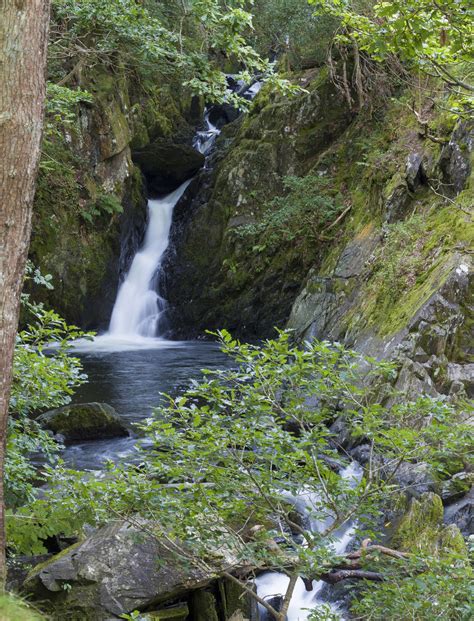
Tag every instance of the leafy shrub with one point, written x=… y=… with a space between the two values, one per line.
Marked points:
x=107 y=204
x=44 y=376
x=298 y=217
x=290 y=27
x=233 y=447
x=429 y=588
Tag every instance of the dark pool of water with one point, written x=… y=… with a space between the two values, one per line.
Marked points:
x=131 y=381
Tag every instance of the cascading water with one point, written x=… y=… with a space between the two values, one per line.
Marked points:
x=138 y=316
x=273 y=584
x=204 y=140
x=139 y=307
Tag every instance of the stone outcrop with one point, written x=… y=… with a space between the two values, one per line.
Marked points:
x=123 y=567
x=166 y=164
x=214 y=280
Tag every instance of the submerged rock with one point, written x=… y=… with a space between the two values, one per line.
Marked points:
x=84 y=421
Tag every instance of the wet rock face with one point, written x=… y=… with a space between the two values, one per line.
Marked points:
x=83 y=421
x=456 y=158
x=166 y=165
x=212 y=280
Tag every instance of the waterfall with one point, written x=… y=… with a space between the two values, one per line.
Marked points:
x=139 y=308
x=204 y=140
x=273 y=584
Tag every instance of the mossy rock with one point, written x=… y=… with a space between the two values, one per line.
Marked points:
x=421 y=528
x=204 y=606
x=84 y=421
x=175 y=613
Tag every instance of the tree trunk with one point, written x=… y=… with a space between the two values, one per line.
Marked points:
x=23 y=41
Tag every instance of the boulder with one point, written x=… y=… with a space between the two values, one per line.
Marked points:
x=125 y=566
x=166 y=165
x=415 y=479
x=83 y=421
x=120 y=568
x=422 y=528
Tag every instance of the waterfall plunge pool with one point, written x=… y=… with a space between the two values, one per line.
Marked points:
x=130 y=376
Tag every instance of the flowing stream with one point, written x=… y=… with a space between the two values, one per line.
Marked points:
x=273 y=585
x=131 y=364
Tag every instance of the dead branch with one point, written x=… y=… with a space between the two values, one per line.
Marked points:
x=338 y=575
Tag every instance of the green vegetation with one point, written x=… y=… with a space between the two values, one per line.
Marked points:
x=426 y=589
x=291 y=31
x=433 y=37
x=149 y=40
x=304 y=181
x=42 y=379
x=15 y=609
x=299 y=217
x=230 y=453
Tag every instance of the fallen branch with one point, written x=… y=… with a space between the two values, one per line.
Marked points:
x=367 y=549
x=338 y=575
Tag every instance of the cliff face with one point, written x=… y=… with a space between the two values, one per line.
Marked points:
x=346 y=226
x=216 y=278
x=90 y=209
x=389 y=272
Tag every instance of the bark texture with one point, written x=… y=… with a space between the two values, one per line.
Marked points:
x=23 y=42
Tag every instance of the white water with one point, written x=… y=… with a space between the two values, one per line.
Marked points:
x=138 y=307
x=303 y=602
x=205 y=139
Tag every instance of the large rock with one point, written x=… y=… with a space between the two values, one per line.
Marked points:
x=84 y=421
x=120 y=568
x=214 y=277
x=166 y=165
x=125 y=567
x=421 y=527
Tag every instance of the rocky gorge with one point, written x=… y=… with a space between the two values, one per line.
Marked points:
x=386 y=270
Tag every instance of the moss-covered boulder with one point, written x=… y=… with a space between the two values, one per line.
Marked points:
x=421 y=528
x=84 y=421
